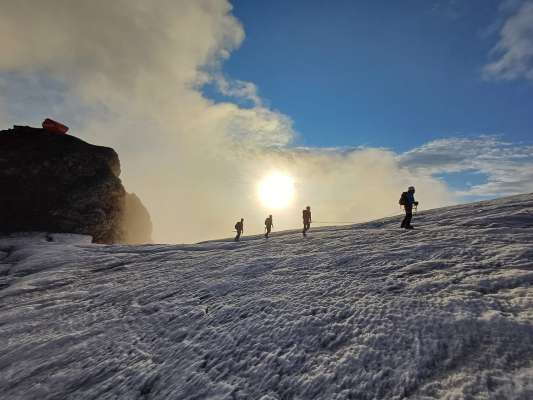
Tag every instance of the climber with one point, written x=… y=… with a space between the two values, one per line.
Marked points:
x=407 y=200
x=239 y=227
x=268 y=225
x=306 y=215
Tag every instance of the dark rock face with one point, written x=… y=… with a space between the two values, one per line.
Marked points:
x=59 y=183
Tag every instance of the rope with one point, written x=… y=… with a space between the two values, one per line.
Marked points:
x=357 y=222
x=335 y=222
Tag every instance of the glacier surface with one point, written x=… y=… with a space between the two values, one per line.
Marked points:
x=355 y=312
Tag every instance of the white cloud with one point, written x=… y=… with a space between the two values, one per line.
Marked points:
x=238 y=89
x=508 y=166
x=133 y=71
x=514 y=51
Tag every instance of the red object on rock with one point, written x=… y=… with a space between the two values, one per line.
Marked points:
x=53 y=126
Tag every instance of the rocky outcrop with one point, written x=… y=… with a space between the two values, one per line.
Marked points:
x=59 y=183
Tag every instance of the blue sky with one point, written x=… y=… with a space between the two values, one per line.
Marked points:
x=380 y=73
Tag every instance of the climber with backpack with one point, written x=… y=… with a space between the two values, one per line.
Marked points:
x=268 y=225
x=239 y=227
x=306 y=216
x=407 y=200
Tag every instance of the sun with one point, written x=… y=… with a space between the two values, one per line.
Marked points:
x=276 y=190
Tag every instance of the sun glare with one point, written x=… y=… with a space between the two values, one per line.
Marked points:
x=276 y=190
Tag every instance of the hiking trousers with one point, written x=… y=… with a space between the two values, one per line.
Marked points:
x=408 y=216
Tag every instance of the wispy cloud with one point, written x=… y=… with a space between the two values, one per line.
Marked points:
x=513 y=54
x=508 y=166
x=237 y=89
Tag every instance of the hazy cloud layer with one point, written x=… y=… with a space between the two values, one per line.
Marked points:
x=513 y=54
x=129 y=74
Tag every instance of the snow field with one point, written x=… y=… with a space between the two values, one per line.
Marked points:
x=355 y=312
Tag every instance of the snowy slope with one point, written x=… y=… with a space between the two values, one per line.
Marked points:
x=359 y=312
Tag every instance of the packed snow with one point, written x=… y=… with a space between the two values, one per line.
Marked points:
x=367 y=311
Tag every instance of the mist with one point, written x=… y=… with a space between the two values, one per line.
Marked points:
x=129 y=74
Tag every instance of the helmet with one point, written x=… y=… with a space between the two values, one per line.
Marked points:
x=411 y=189
x=308 y=207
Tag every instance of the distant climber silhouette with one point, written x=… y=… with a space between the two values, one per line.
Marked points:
x=268 y=225
x=407 y=200
x=306 y=216
x=239 y=227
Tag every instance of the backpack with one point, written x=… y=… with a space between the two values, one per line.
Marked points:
x=403 y=199
x=237 y=226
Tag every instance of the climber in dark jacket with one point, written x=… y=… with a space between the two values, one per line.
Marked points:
x=239 y=227
x=268 y=225
x=306 y=216
x=408 y=202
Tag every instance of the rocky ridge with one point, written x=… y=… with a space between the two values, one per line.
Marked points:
x=59 y=183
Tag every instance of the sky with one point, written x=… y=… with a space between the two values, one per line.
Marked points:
x=380 y=73
x=354 y=101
